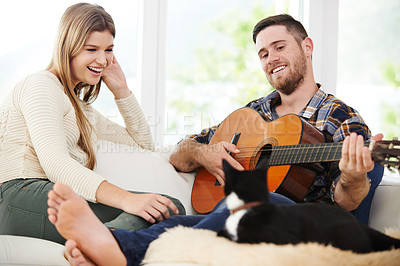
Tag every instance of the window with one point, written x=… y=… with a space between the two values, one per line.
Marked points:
x=211 y=67
x=368 y=62
x=211 y=64
x=29 y=31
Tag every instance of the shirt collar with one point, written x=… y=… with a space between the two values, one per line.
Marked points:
x=273 y=99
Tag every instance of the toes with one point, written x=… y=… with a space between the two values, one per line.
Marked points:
x=52 y=214
x=53 y=203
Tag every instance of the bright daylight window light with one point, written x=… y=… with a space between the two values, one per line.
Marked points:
x=30 y=31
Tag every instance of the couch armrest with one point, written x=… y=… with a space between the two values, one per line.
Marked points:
x=20 y=250
x=385 y=212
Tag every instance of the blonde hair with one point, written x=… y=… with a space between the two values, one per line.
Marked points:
x=76 y=24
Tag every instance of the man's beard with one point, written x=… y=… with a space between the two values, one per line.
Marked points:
x=293 y=79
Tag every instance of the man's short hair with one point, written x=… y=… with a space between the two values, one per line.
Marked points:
x=294 y=27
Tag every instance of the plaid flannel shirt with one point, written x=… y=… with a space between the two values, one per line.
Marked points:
x=334 y=118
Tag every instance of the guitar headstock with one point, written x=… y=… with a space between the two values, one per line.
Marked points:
x=386 y=153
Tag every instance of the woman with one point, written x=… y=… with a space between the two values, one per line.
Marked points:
x=48 y=133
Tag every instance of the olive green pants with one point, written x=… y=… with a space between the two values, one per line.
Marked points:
x=23 y=211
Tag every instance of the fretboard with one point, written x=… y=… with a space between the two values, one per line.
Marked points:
x=306 y=153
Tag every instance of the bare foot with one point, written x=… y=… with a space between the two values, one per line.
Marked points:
x=75 y=221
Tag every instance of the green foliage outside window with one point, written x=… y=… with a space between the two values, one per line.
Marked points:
x=391 y=117
x=227 y=69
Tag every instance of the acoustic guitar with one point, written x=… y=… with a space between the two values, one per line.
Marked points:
x=293 y=148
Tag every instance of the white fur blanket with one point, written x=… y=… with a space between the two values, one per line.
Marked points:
x=183 y=245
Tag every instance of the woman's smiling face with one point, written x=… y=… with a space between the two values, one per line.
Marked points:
x=96 y=54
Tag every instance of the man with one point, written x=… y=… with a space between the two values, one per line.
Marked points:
x=285 y=53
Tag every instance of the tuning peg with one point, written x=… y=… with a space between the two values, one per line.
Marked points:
x=392 y=144
x=371 y=145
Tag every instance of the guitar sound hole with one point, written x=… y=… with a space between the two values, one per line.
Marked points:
x=265 y=153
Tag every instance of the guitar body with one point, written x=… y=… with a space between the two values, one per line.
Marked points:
x=256 y=136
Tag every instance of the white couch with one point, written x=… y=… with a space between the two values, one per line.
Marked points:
x=141 y=170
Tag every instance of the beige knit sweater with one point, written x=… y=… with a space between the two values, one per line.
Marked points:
x=39 y=134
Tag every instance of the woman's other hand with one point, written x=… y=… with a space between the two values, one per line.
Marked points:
x=151 y=207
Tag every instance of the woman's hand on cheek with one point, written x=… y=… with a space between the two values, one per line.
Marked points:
x=114 y=78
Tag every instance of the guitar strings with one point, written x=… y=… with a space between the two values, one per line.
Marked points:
x=301 y=147
x=294 y=156
x=314 y=146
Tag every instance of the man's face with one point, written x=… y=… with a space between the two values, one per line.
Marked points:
x=282 y=58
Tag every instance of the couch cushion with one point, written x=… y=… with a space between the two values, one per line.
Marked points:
x=140 y=170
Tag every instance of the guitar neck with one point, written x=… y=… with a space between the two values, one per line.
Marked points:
x=306 y=153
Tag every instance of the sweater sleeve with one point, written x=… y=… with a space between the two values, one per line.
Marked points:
x=137 y=131
x=46 y=109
